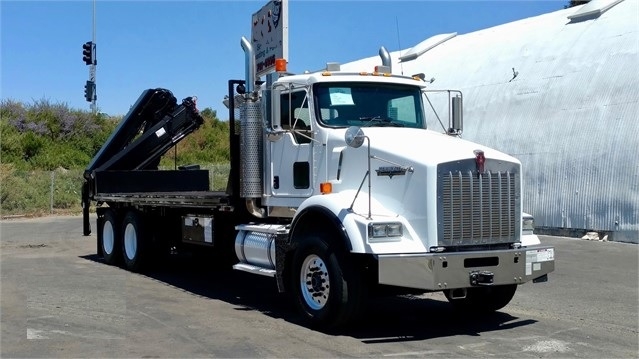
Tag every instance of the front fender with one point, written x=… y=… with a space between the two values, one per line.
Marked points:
x=353 y=223
x=329 y=210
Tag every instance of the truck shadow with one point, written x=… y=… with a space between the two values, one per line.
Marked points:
x=386 y=319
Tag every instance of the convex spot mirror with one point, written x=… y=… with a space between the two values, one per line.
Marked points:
x=354 y=137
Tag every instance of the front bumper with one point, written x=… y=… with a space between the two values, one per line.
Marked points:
x=439 y=271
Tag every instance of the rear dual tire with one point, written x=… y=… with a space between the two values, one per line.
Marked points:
x=134 y=241
x=110 y=246
x=124 y=240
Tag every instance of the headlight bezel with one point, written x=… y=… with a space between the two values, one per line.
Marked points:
x=527 y=224
x=385 y=231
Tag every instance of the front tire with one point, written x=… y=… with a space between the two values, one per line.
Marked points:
x=483 y=300
x=327 y=289
x=134 y=241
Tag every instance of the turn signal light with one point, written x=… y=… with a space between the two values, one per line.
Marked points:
x=326 y=187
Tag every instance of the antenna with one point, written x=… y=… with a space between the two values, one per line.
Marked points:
x=401 y=65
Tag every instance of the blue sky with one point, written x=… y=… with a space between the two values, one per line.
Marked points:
x=193 y=47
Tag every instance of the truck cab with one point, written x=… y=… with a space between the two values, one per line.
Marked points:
x=305 y=144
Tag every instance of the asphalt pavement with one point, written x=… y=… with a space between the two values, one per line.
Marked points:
x=57 y=299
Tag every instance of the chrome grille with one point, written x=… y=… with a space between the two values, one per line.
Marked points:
x=478 y=209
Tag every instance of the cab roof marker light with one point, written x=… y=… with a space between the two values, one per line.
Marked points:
x=419 y=76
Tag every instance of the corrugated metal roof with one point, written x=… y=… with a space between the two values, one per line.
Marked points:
x=563 y=97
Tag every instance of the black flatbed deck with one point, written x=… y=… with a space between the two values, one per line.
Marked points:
x=181 y=199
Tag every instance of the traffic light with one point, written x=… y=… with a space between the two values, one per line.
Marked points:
x=89 y=91
x=87 y=53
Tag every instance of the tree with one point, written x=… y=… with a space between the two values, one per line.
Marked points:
x=208 y=113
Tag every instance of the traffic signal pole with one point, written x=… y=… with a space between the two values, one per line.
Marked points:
x=89 y=56
x=92 y=69
x=89 y=94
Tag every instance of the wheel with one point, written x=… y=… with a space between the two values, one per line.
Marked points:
x=326 y=288
x=483 y=300
x=110 y=243
x=134 y=241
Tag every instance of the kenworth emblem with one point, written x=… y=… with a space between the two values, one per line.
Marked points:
x=480 y=159
x=391 y=171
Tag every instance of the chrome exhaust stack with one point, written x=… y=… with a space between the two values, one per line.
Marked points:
x=251 y=137
x=386 y=58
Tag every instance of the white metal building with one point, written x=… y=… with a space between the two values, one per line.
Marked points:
x=560 y=92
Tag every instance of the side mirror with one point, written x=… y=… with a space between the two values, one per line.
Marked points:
x=274 y=127
x=275 y=107
x=354 y=137
x=457 y=123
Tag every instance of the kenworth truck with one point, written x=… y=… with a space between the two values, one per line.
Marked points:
x=336 y=189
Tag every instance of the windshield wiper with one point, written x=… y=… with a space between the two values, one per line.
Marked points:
x=379 y=121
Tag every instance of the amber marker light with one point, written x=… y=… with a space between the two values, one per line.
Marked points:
x=280 y=65
x=326 y=187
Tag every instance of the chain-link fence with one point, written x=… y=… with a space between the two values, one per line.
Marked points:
x=59 y=191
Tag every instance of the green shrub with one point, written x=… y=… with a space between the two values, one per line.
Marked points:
x=39 y=192
x=47 y=145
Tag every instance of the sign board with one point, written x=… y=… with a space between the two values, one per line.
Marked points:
x=269 y=35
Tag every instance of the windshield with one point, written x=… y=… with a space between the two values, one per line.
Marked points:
x=343 y=104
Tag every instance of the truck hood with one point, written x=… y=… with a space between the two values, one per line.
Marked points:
x=424 y=146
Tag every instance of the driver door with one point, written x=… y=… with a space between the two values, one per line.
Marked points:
x=292 y=155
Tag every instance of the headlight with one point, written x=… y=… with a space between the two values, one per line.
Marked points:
x=394 y=230
x=528 y=238
x=527 y=223
x=379 y=231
